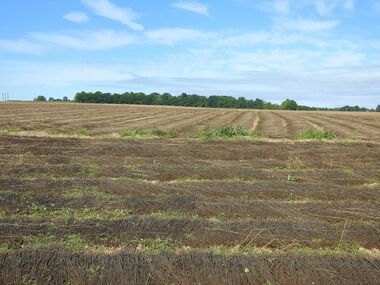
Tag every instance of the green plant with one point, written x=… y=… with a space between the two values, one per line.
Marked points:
x=4 y=248
x=317 y=135
x=291 y=178
x=69 y=242
x=13 y=130
x=352 y=137
x=155 y=132
x=40 y=241
x=226 y=131
x=94 y=270
x=87 y=191
x=36 y=211
x=189 y=236
x=75 y=242
x=156 y=245
x=317 y=241
x=83 y=132
x=55 y=132
x=132 y=133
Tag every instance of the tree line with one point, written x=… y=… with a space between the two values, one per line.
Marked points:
x=193 y=100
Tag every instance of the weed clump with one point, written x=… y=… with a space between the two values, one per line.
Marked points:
x=317 y=135
x=227 y=131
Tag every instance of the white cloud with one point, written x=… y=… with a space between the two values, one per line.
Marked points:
x=104 y=39
x=323 y=8
x=346 y=58
x=77 y=17
x=195 y=7
x=326 y=7
x=271 y=38
x=172 y=36
x=107 y=9
x=281 y=6
x=305 y=25
x=21 y=46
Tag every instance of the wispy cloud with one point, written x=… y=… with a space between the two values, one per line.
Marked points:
x=104 y=39
x=172 y=36
x=281 y=6
x=325 y=8
x=341 y=59
x=195 y=7
x=107 y=9
x=306 y=25
x=77 y=17
x=21 y=46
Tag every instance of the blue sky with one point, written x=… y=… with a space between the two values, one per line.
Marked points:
x=319 y=52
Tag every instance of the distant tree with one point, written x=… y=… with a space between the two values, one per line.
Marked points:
x=40 y=98
x=51 y=99
x=242 y=103
x=289 y=105
x=65 y=99
x=378 y=108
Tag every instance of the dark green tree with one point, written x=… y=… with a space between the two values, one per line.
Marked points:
x=289 y=105
x=378 y=108
x=40 y=98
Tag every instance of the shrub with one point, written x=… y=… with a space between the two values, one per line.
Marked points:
x=317 y=135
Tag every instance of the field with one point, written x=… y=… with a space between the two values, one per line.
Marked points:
x=81 y=205
x=41 y=119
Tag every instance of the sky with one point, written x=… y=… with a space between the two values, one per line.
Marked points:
x=318 y=52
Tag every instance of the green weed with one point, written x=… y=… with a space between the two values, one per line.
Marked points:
x=352 y=137
x=155 y=246
x=55 y=132
x=132 y=133
x=227 y=131
x=69 y=242
x=83 y=133
x=4 y=248
x=87 y=191
x=13 y=130
x=317 y=135
x=173 y=213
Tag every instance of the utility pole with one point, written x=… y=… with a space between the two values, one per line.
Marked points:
x=4 y=96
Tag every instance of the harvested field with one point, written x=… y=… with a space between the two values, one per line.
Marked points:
x=110 y=119
x=110 y=210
